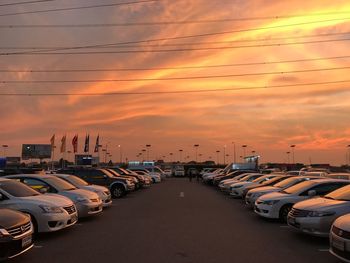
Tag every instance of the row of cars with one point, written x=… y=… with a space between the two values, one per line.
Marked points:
x=51 y=201
x=314 y=203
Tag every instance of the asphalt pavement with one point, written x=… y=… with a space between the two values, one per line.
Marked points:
x=178 y=221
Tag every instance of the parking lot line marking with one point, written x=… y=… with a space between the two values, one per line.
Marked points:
x=182 y=194
x=323 y=249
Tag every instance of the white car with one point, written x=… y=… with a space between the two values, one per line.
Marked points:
x=238 y=188
x=87 y=203
x=340 y=238
x=254 y=194
x=49 y=212
x=101 y=191
x=225 y=185
x=278 y=205
x=248 y=177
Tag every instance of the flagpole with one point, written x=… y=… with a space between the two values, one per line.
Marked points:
x=53 y=158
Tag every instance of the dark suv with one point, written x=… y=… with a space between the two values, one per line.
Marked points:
x=16 y=232
x=117 y=185
x=124 y=172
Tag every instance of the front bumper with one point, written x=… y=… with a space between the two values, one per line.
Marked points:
x=89 y=209
x=267 y=211
x=316 y=226
x=54 y=222
x=236 y=192
x=340 y=247
x=130 y=187
x=12 y=247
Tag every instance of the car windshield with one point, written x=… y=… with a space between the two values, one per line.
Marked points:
x=17 y=189
x=261 y=178
x=247 y=177
x=272 y=180
x=74 y=180
x=341 y=194
x=108 y=173
x=299 y=187
x=59 y=184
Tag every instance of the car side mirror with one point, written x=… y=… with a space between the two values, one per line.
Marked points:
x=43 y=190
x=311 y=193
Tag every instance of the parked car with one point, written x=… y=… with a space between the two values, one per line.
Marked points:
x=147 y=177
x=238 y=188
x=179 y=171
x=156 y=176
x=254 y=194
x=118 y=186
x=101 y=191
x=345 y=176
x=219 y=178
x=317 y=215
x=278 y=178
x=50 y=212
x=248 y=177
x=87 y=203
x=278 y=205
x=225 y=185
x=141 y=180
x=16 y=232
x=340 y=238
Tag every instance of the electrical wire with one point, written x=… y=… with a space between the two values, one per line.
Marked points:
x=175 y=38
x=169 y=50
x=185 y=44
x=170 y=78
x=77 y=8
x=168 y=68
x=176 y=92
x=27 y=2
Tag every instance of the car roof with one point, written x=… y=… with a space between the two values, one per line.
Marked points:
x=329 y=180
x=41 y=176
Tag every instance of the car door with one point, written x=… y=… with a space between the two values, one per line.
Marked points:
x=323 y=189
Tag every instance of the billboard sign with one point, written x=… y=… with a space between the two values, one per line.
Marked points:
x=36 y=151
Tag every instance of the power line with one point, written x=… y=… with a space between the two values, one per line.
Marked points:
x=27 y=2
x=186 y=44
x=170 y=68
x=179 y=37
x=170 y=78
x=165 y=22
x=77 y=8
x=175 y=92
x=170 y=50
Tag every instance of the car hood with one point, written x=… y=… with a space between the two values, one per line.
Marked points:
x=50 y=199
x=274 y=196
x=94 y=187
x=318 y=204
x=73 y=194
x=343 y=222
x=10 y=218
x=265 y=189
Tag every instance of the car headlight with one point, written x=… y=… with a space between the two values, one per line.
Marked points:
x=270 y=202
x=4 y=233
x=51 y=209
x=83 y=199
x=320 y=214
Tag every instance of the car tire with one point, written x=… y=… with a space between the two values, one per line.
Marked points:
x=284 y=212
x=118 y=191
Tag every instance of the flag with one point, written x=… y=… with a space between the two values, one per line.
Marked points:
x=75 y=143
x=97 y=143
x=86 y=147
x=63 y=144
x=52 y=140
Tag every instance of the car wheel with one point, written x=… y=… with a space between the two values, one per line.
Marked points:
x=118 y=191
x=284 y=212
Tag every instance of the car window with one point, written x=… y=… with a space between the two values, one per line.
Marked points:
x=324 y=189
x=38 y=185
x=17 y=189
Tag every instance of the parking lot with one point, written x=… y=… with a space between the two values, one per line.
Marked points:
x=178 y=221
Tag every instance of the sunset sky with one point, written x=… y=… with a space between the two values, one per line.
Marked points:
x=230 y=47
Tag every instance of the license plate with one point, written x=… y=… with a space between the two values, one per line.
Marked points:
x=338 y=244
x=26 y=241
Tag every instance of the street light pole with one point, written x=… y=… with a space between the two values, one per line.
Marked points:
x=5 y=146
x=288 y=157
x=120 y=153
x=148 y=146
x=293 y=146
x=217 y=156
x=244 y=146
x=348 y=154
x=234 y=152
x=180 y=155
x=224 y=154
x=196 y=147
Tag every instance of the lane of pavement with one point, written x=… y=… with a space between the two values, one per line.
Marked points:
x=178 y=221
